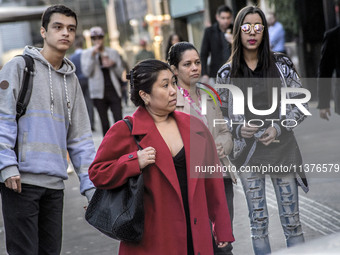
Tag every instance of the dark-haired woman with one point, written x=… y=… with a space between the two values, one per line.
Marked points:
x=260 y=143
x=173 y=39
x=178 y=201
x=185 y=61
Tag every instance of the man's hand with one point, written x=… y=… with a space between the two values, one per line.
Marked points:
x=14 y=183
x=96 y=49
x=228 y=36
x=325 y=113
x=107 y=62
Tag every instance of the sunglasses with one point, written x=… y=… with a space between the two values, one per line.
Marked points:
x=97 y=37
x=258 y=28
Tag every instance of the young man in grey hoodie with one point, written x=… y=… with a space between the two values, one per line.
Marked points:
x=55 y=122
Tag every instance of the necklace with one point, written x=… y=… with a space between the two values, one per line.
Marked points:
x=197 y=108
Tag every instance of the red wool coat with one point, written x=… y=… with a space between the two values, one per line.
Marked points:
x=165 y=222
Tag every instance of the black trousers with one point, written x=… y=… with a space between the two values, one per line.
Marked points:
x=229 y=191
x=111 y=100
x=33 y=220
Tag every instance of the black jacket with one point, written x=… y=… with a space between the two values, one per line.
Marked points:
x=214 y=44
x=330 y=61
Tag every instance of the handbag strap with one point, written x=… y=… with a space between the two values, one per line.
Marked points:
x=128 y=123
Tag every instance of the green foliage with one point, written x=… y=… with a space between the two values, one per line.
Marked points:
x=286 y=14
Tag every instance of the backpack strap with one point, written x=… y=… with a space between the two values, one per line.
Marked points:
x=25 y=91
x=26 y=88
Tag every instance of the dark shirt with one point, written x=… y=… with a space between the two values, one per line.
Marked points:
x=107 y=78
x=262 y=100
x=181 y=170
x=284 y=152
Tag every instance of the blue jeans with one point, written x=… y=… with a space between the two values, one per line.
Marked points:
x=286 y=191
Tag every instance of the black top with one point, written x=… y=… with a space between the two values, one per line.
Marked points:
x=181 y=170
x=107 y=78
x=262 y=100
x=285 y=152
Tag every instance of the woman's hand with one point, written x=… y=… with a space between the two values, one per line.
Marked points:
x=146 y=157
x=268 y=136
x=220 y=150
x=222 y=244
x=248 y=131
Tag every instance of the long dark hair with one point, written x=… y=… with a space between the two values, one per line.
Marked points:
x=265 y=56
x=169 y=44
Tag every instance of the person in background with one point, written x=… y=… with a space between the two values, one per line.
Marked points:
x=216 y=44
x=253 y=65
x=56 y=122
x=329 y=62
x=276 y=34
x=124 y=81
x=83 y=81
x=178 y=202
x=103 y=67
x=144 y=53
x=186 y=64
x=173 y=38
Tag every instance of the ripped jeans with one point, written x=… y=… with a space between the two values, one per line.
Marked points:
x=286 y=191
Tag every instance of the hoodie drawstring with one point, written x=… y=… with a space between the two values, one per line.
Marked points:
x=51 y=88
x=68 y=103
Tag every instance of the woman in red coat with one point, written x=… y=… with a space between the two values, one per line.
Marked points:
x=179 y=201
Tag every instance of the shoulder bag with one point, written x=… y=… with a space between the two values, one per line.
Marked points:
x=119 y=212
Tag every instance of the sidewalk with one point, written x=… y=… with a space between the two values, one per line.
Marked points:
x=79 y=236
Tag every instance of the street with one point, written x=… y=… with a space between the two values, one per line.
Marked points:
x=319 y=209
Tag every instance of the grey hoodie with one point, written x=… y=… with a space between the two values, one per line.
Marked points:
x=56 y=121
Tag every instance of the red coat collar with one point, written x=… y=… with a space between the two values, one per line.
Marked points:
x=191 y=129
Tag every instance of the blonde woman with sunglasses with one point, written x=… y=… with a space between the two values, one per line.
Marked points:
x=263 y=144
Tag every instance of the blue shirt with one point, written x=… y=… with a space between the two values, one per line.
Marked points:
x=75 y=58
x=277 y=37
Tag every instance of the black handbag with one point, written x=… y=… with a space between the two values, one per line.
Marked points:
x=119 y=212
